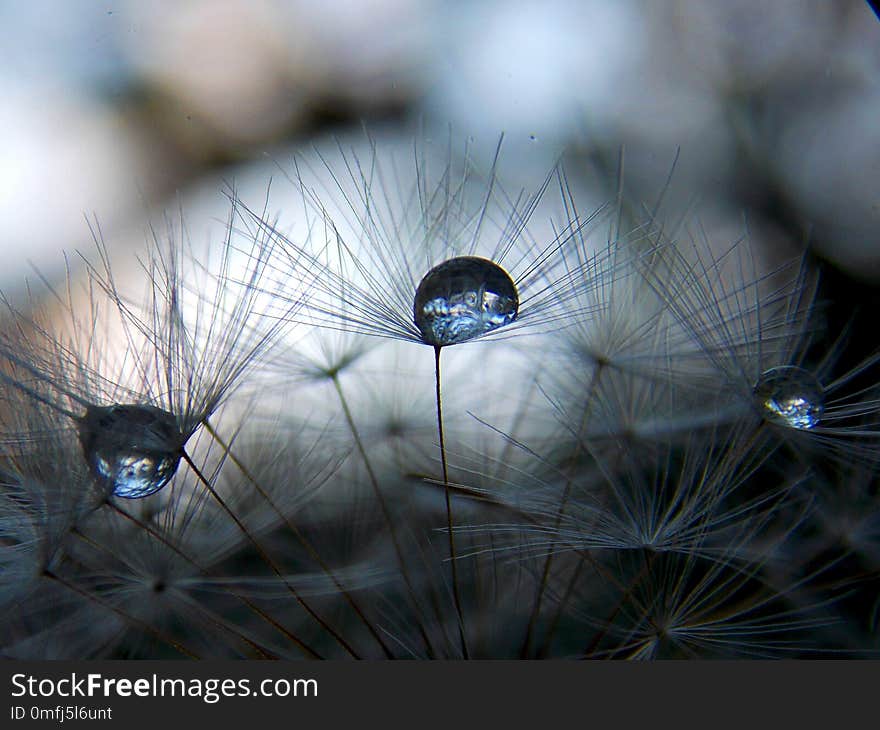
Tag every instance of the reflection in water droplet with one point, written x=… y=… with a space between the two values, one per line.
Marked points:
x=791 y=396
x=463 y=298
x=133 y=450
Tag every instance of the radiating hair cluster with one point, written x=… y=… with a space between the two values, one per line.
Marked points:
x=643 y=442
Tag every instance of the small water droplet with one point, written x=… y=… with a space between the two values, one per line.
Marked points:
x=791 y=396
x=133 y=450
x=463 y=298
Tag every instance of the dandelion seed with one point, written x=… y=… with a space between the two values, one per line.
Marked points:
x=187 y=349
x=758 y=333
x=486 y=269
x=791 y=395
x=372 y=224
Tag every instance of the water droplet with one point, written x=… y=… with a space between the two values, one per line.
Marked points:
x=133 y=450
x=463 y=298
x=791 y=396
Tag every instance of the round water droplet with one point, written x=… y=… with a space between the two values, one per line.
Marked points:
x=791 y=396
x=463 y=298
x=133 y=450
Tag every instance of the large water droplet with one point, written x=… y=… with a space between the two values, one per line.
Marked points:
x=133 y=450
x=463 y=298
x=791 y=396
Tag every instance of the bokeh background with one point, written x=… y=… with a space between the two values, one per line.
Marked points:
x=118 y=110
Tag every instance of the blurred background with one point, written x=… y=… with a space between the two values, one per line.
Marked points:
x=116 y=110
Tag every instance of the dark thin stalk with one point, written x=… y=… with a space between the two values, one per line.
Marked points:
x=645 y=571
x=563 y=503
x=449 y=521
x=247 y=602
x=219 y=623
x=299 y=536
x=119 y=612
x=386 y=514
x=213 y=492
x=544 y=648
x=585 y=558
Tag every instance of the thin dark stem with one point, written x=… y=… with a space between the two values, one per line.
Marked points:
x=584 y=557
x=386 y=514
x=223 y=625
x=213 y=492
x=119 y=612
x=449 y=521
x=563 y=503
x=299 y=536
x=545 y=646
x=247 y=602
x=645 y=571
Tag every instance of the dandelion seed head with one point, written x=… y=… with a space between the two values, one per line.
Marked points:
x=463 y=298
x=791 y=396
x=133 y=450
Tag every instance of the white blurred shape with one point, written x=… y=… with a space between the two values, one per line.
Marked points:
x=534 y=66
x=368 y=50
x=60 y=160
